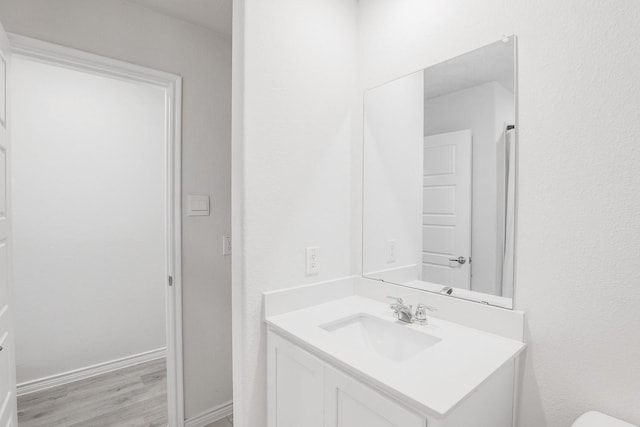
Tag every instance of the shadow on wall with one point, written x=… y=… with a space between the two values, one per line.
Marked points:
x=529 y=402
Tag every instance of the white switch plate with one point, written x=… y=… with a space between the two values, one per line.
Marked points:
x=197 y=205
x=392 y=251
x=226 y=245
x=313 y=261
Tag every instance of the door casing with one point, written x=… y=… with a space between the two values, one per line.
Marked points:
x=172 y=85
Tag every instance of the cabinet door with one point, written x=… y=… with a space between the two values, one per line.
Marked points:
x=349 y=403
x=295 y=378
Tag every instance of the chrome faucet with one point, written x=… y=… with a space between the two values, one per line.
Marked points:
x=404 y=313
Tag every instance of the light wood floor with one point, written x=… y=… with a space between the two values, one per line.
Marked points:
x=221 y=423
x=130 y=397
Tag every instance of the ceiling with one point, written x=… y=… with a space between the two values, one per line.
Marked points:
x=492 y=63
x=212 y=14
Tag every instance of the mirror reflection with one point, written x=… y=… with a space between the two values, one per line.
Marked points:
x=439 y=177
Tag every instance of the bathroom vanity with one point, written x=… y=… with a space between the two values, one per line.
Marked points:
x=349 y=362
x=439 y=169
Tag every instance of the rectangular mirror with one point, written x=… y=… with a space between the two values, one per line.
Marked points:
x=439 y=177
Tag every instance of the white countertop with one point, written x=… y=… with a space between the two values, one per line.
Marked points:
x=435 y=380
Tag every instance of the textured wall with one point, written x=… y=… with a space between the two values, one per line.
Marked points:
x=578 y=224
x=128 y=32
x=296 y=81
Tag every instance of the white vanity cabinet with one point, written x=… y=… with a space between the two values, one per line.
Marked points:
x=349 y=403
x=305 y=391
x=295 y=385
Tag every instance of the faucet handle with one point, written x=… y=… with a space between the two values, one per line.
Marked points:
x=398 y=299
x=426 y=307
x=421 y=313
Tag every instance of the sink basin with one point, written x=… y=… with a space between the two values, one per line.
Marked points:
x=393 y=341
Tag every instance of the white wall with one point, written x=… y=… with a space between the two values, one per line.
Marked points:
x=577 y=220
x=296 y=81
x=476 y=108
x=128 y=32
x=393 y=155
x=88 y=207
x=578 y=224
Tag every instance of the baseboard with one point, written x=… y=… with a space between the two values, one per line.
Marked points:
x=88 y=372
x=210 y=416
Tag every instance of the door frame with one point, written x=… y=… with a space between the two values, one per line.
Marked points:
x=50 y=53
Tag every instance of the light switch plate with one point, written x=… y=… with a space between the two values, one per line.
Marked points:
x=226 y=245
x=197 y=205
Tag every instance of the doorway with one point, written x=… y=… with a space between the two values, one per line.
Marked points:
x=96 y=208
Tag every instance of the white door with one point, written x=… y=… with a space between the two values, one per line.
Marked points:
x=350 y=403
x=8 y=409
x=295 y=378
x=446 y=214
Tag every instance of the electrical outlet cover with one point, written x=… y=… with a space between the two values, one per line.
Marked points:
x=392 y=251
x=313 y=261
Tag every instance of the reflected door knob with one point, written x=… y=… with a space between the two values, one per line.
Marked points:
x=460 y=260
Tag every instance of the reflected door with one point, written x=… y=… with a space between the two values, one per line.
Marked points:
x=446 y=214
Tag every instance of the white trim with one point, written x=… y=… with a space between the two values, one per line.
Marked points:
x=88 y=62
x=172 y=84
x=211 y=415
x=89 y=371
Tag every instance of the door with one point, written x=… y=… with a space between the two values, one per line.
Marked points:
x=349 y=403
x=446 y=214
x=295 y=379
x=7 y=366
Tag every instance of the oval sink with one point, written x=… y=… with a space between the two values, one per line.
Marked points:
x=393 y=341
